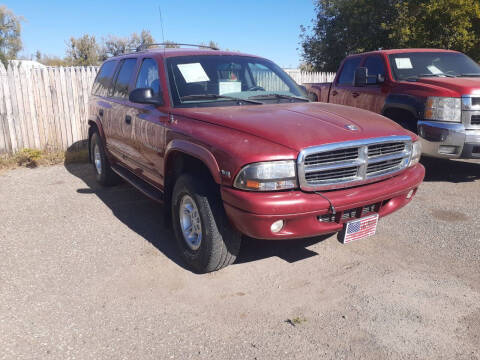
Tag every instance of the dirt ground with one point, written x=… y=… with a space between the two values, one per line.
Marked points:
x=92 y=273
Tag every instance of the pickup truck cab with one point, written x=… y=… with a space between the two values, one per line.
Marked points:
x=434 y=93
x=231 y=146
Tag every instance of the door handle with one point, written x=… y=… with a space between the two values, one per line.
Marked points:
x=334 y=92
x=355 y=94
x=128 y=119
x=100 y=112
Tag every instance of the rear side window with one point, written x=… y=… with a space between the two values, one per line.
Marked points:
x=348 y=70
x=103 y=81
x=123 y=78
x=148 y=76
x=375 y=66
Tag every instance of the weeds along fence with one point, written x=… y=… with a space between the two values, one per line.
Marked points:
x=46 y=108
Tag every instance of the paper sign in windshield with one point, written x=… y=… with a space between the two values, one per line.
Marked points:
x=403 y=63
x=193 y=72
x=228 y=87
x=434 y=70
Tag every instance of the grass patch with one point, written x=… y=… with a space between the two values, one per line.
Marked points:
x=32 y=158
x=296 y=320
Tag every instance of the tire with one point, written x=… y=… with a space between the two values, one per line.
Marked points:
x=103 y=170
x=214 y=244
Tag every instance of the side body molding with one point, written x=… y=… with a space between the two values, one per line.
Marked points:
x=196 y=151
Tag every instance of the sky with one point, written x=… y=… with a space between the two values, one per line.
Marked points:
x=266 y=28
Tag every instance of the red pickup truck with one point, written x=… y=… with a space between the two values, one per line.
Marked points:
x=434 y=93
x=229 y=143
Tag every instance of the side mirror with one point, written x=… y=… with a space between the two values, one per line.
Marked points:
x=145 y=96
x=360 y=77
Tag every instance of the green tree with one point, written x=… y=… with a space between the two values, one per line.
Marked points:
x=445 y=24
x=10 y=35
x=342 y=27
x=83 y=51
x=113 y=45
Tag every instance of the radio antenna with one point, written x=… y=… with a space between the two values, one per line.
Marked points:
x=161 y=24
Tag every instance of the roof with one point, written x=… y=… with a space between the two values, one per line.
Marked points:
x=173 y=52
x=400 y=51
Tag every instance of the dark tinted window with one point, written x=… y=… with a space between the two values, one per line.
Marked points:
x=375 y=66
x=123 y=78
x=148 y=76
x=348 y=70
x=103 y=81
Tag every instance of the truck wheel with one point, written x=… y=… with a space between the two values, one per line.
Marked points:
x=203 y=234
x=103 y=171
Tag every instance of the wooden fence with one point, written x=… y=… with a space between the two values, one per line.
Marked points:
x=47 y=108
x=303 y=77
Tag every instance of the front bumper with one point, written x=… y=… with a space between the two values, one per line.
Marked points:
x=252 y=213
x=449 y=140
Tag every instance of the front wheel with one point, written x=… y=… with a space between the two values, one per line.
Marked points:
x=203 y=234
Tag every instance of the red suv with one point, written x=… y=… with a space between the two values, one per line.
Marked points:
x=232 y=146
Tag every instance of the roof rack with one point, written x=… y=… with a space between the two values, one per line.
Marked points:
x=146 y=46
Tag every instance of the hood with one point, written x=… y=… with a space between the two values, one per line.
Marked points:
x=298 y=125
x=460 y=86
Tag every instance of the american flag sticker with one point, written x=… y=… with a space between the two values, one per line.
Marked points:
x=358 y=229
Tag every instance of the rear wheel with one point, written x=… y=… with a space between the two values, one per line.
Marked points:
x=203 y=234
x=103 y=171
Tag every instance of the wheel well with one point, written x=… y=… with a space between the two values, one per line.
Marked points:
x=91 y=130
x=402 y=117
x=179 y=163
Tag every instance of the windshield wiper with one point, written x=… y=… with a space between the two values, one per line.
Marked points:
x=216 y=97
x=436 y=75
x=278 y=96
x=470 y=75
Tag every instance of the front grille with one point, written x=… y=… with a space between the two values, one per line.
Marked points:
x=475 y=120
x=350 y=214
x=385 y=149
x=383 y=165
x=332 y=156
x=319 y=176
x=346 y=164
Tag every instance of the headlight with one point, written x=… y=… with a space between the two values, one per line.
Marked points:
x=267 y=176
x=443 y=109
x=416 y=153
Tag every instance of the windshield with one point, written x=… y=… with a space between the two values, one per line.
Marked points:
x=426 y=64
x=228 y=80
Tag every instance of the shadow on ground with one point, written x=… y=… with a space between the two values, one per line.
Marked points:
x=455 y=171
x=145 y=217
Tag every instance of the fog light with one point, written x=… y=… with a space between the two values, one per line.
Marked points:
x=447 y=149
x=410 y=194
x=277 y=226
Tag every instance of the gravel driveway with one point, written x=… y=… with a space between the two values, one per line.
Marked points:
x=92 y=273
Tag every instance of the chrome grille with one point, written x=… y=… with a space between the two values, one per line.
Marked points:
x=346 y=164
x=471 y=112
x=319 y=176
x=384 y=149
x=383 y=165
x=332 y=156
